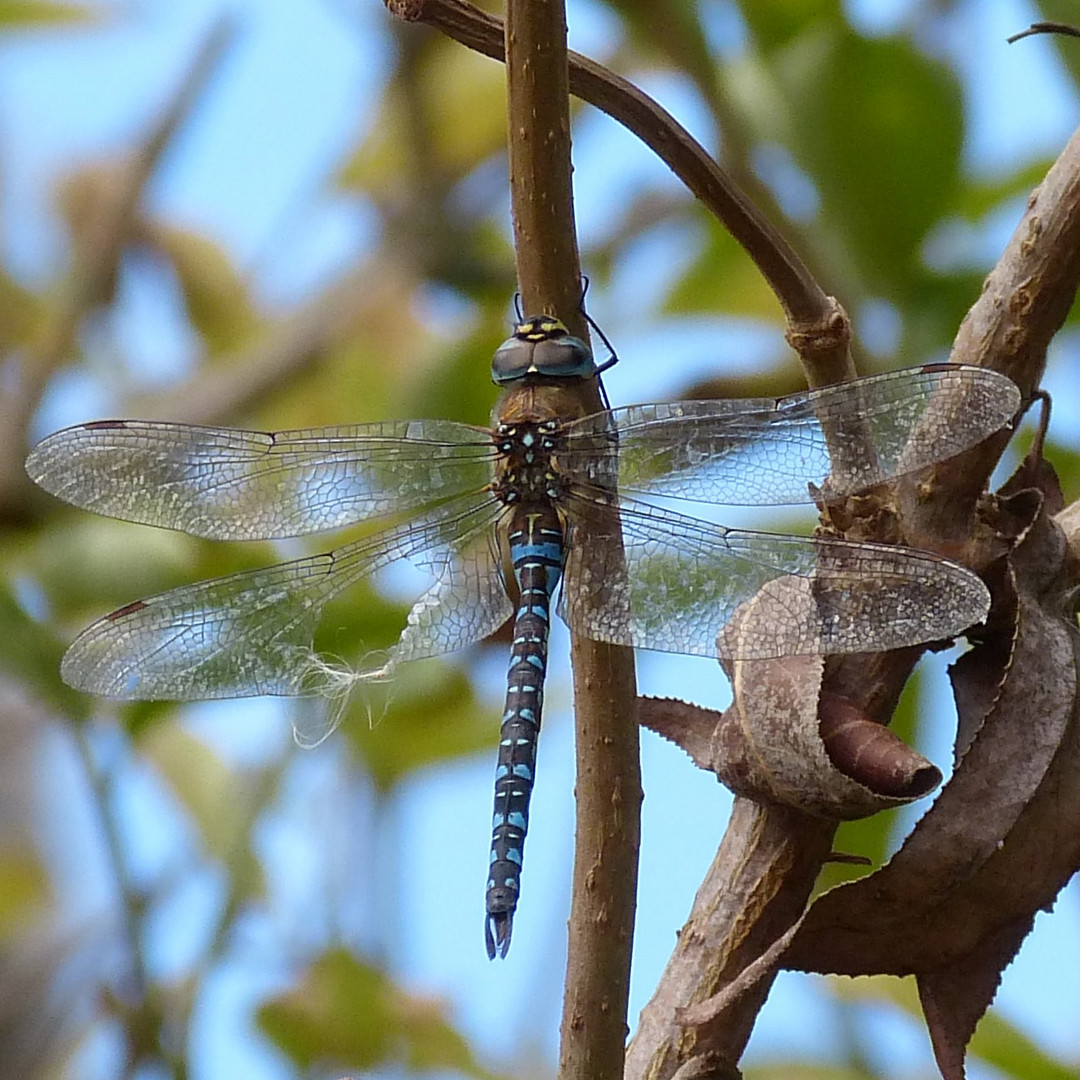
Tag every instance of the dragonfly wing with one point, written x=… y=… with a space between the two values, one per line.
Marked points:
x=467 y=600
x=689 y=587
x=253 y=632
x=253 y=485
x=766 y=452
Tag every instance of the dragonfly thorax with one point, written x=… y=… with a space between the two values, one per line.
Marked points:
x=526 y=470
x=527 y=440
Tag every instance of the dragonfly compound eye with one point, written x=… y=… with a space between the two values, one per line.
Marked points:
x=542 y=346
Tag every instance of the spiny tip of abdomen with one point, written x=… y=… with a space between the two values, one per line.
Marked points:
x=497 y=933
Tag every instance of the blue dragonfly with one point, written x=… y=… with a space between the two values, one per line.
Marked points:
x=555 y=495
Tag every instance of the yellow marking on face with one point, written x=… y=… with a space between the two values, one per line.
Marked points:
x=540 y=328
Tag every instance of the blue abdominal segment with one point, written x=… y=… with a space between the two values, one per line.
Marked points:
x=536 y=551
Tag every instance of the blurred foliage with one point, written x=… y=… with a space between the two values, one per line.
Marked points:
x=345 y=1013
x=868 y=133
x=33 y=14
x=433 y=711
x=997 y=1042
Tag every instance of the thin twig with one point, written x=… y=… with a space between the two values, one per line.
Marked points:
x=1045 y=28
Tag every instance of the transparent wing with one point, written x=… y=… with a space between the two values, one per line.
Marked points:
x=690 y=587
x=763 y=452
x=253 y=485
x=252 y=633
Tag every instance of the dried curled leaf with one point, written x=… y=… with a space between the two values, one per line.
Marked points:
x=870 y=753
x=783 y=741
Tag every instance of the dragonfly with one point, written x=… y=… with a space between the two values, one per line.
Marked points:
x=500 y=516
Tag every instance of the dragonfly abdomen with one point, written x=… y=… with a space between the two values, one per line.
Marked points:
x=536 y=551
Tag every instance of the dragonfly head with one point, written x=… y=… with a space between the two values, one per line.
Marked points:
x=542 y=345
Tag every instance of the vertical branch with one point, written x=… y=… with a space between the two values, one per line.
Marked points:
x=538 y=95
x=608 y=788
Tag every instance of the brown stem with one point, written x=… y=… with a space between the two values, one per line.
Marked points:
x=1024 y=301
x=755 y=889
x=541 y=191
x=818 y=327
x=608 y=771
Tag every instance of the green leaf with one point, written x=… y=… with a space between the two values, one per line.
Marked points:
x=340 y=1013
x=31 y=654
x=777 y=23
x=979 y=197
x=722 y=278
x=358 y=623
x=801 y=1070
x=346 y=1014
x=458 y=386
x=36 y=13
x=1061 y=11
x=996 y=1040
x=422 y=114
x=217 y=298
x=879 y=127
x=933 y=305
x=24 y=890
x=87 y=564
x=1002 y=1045
x=673 y=29
x=1066 y=461
x=20 y=313
x=867 y=837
